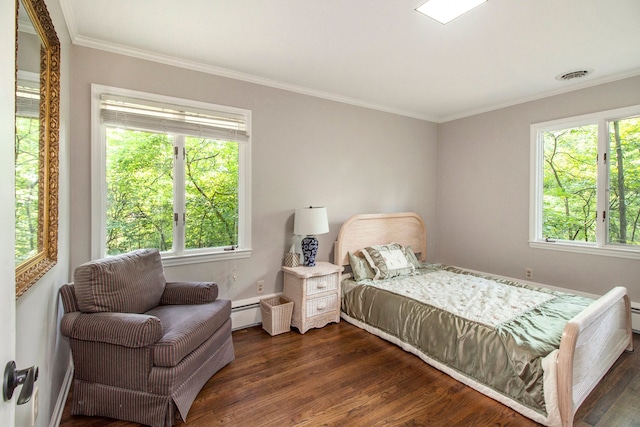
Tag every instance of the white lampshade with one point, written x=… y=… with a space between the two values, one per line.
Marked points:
x=311 y=221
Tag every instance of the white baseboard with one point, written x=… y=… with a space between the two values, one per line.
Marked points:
x=246 y=313
x=62 y=396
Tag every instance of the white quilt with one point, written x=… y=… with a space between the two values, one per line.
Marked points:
x=474 y=298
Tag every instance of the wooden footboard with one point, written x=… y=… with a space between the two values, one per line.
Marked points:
x=591 y=343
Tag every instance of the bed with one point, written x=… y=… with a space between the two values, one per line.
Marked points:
x=541 y=353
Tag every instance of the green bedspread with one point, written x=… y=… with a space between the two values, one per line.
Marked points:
x=505 y=355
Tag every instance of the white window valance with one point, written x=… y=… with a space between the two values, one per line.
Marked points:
x=131 y=113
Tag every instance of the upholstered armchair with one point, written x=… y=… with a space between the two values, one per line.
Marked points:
x=142 y=348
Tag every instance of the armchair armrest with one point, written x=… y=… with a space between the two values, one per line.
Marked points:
x=125 y=329
x=185 y=293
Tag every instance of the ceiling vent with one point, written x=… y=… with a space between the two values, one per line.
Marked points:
x=573 y=74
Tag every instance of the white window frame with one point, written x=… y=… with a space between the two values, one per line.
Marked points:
x=600 y=247
x=99 y=185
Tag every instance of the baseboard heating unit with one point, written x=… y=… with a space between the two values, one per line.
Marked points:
x=635 y=319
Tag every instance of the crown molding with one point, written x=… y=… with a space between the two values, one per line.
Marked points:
x=572 y=88
x=79 y=40
x=236 y=75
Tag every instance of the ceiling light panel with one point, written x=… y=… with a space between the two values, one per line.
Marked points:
x=445 y=11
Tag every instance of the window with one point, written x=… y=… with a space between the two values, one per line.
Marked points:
x=585 y=183
x=170 y=174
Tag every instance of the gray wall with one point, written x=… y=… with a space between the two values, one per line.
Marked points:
x=305 y=151
x=483 y=194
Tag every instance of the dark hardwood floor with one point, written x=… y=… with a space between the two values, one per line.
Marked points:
x=342 y=376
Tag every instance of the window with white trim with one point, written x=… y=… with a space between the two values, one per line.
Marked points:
x=170 y=174
x=585 y=183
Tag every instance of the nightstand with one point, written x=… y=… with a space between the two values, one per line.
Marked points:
x=315 y=292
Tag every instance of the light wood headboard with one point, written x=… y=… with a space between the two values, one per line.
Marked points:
x=360 y=231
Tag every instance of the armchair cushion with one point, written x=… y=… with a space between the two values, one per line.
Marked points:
x=179 y=293
x=124 y=329
x=127 y=283
x=185 y=327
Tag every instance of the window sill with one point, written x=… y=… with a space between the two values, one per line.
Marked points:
x=171 y=259
x=611 y=251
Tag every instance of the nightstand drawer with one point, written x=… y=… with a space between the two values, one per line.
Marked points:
x=322 y=305
x=319 y=284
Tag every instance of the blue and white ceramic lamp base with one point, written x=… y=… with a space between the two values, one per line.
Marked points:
x=309 y=249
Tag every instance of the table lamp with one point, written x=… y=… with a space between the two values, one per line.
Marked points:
x=309 y=222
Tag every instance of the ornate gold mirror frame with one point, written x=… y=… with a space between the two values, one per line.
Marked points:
x=44 y=255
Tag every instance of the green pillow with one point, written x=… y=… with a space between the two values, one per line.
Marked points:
x=388 y=261
x=360 y=267
x=412 y=258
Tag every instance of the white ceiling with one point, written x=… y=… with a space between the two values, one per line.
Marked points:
x=378 y=53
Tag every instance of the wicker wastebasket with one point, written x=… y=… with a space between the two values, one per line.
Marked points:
x=276 y=315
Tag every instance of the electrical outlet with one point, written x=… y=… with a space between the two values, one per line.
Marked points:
x=260 y=286
x=528 y=273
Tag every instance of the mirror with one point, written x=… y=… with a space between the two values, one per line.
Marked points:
x=36 y=145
